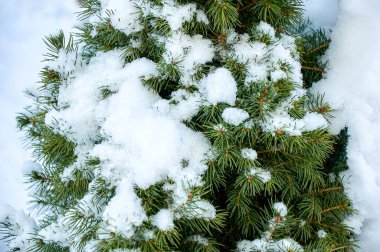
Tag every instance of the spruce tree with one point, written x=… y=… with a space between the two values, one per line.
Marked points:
x=175 y=125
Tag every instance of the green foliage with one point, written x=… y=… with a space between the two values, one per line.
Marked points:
x=223 y=15
x=55 y=43
x=278 y=12
x=300 y=166
x=313 y=46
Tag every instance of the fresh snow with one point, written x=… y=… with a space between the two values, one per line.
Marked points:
x=234 y=116
x=352 y=87
x=22 y=227
x=266 y=242
x=219 y=86
x=24 y=24
x=281 y=120
x=188 y=53
x=286 y=244
x=262 y=174
x=198 y=239
x=322 y=13
x=267 y=29
x=151 y=147
x=249 y=153
x=164 y=220
x=125 y=14
x=322 y=234
x=29 y=166
x=280 y=208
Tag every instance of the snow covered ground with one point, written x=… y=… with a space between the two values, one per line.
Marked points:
x=323 y=13
x=352 y=86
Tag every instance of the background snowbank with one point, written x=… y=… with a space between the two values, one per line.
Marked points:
x=323 y=13
x=23 y=24
x=352 y=87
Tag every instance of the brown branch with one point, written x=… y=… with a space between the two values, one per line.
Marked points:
x=317 y=69
x=318 y=48
x=317 y=140
x=334 y=208
x=338 y=248
x=266 y=151
x=278 y=219
x=327 y=226
x=246 y=7
x=330 y=189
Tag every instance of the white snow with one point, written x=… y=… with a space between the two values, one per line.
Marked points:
x=249 y=153
x=21 y=227
x=248 y=246
x=264 y=175
x=176 y=15
x=322 y=234
x=265 y=61
x=266 y=242
x=188 y=53
x=55 y=232
x=263 y=245
x=186 y=104
x=286 y=244
x=322 y=13
x=199 y=239
x=145 y=140
x=204 y=209
x=65 y=63
x=29 y=166
x=125 y=14
x=313 y=121
x=277 y=75
x=352 y=87
x=219 y=86
x=266 y=29
x=281 y=120
x=124 y=212
x=164 y=220
x=234 y=116
x=280 y=208
x=246 y=51
x=21 y=50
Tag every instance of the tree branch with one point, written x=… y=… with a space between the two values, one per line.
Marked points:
x=246 y=7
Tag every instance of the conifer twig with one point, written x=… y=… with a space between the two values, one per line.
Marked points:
x=324 y=45
x=317 y=69
x=334 y=208
x=246 y=7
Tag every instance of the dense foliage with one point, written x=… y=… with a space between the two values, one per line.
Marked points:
x=269 y=182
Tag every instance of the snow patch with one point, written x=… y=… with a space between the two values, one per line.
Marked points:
x=163 y=220
x=234 y=116
x=219 y=86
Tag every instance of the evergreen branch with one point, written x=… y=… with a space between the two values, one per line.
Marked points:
x=330 y=189
x=317 y=69
x=341 y=247
x=319 y=47
x=345 y=205
x=328 y=226
x=246 y=7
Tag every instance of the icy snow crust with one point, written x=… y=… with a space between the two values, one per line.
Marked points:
x=140 y=138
